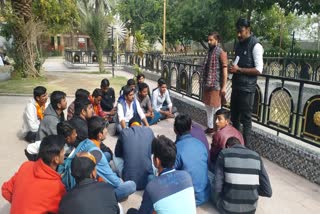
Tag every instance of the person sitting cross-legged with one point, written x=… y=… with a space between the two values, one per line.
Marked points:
x=172 y=191
x=80 y=94
x=240 y=178
x=108 y=96
x=192 y=156
x=37 y=187
x=95 y=100
x=133 y=153
x=88 y=196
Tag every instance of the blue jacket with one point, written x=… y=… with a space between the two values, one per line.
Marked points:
x=192 y=156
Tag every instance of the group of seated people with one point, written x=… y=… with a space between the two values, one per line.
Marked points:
x=71 y=169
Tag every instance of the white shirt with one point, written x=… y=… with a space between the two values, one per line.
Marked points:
x=1 y=61
x=158 y=99
x=257 y=53
x=31 y=121
x=129 y=112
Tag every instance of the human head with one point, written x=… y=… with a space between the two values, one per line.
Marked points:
x=58 y=100
x=140 y=78
x=243 y=29
x=143 y=89
x=66 y=130
x=232 y=141
x=131 y=83
x=97 y=128
x=104 y=84
x=97 y=96
x=164 y=152
x=51 y=150
x=40 y=95
x=222 y=118
x=134 y=121
x=128 y=93
x=83 y=107
x=83 y=165
x=82 y=94
x=162 y=85
x=182 y=124
x=213 y=39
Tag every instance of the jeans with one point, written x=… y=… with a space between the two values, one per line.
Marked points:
x=118 y=163
x=124 y=190
x=108 y=156
x=166 y=108
x=241 y=109
x=155 y=119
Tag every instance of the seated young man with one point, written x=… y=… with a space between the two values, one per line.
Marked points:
x=64 y=129
x=161 y=101
x=53 y=115
x=108 y=96
x=80 y=94
x=172 y=191
x=192 y=156
x=131 y=83
x=95 y=100
x=34 y=113
x=89 y=195
x=145 y=103
x=133 y=153
x=224 y=132
x=129 y=108
x=37 y=187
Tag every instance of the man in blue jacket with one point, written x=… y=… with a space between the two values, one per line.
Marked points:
x=192 y=156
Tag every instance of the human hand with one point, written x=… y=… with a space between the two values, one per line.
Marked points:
x=233 y=69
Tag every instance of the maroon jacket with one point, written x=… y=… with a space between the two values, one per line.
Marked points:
x=220 y=138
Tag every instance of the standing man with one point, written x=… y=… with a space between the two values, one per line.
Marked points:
x=215 y=78
x=244 y=80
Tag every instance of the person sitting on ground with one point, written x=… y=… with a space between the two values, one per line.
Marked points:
x=88 y=196
x=145 y=103
x=172 y=191
x=108 y=96
x=95 y=100
x=225 y=131
x=131 y=83
x=129 y=108
x=52 y=115
x=97 y=130
x=140 y=79
x=80 y=94
x=34 y=113
x=133 y=153
x=37 y=187
x=161 y=101
x=197 y=132
x=192 y=156
x=240 y=177
x=64 y=129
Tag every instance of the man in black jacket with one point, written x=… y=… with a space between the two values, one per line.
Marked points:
x=88 y=196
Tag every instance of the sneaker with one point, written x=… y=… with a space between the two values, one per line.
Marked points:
x=209 y=131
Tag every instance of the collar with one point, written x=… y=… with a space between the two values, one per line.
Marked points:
x=86 y=181
x=167 y=170
x=181 y=137
x=96 y=142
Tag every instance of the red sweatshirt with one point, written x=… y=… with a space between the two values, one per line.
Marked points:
x=35 y=188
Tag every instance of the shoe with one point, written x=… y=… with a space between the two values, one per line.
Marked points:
x=209 y=131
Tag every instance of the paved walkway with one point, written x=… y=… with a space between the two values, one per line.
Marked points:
x=291 y=193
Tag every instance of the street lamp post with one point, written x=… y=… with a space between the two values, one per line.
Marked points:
x=112 y=51
x=164 y=27
x=292 y=44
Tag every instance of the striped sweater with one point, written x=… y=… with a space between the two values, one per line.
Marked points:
x=240 y=179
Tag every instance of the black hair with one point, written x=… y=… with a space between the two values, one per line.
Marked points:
x=79 y=105
x=164 y=149
x=56 y=98
x=65 y=129
x=95 y=126
x=134 y=119
x=182 y=124
x=140 y=75
x=105 y=83
x=161 y=82
x=232 y=141
x=242 y=22
x=38 y=91
x=131 y=82
x=51 y=147
x=225 y=112
x=127 y=90
x=97 y=92
x=142 y=86
x=82 y=94
x=216 y=36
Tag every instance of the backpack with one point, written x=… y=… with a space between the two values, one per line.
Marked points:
x=65 y=169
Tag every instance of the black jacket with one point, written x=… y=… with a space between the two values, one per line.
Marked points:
x=90 y=197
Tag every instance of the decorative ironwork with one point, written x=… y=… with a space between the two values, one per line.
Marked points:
x=274 y=68
x=291 y=70
x=257 y=103
x=311 y=118
x=183 y=80
x=173 y=79
x=165 y=73
x=280 y=110
x=196 y=84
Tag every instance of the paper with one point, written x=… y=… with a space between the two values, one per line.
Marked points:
x=235 y=62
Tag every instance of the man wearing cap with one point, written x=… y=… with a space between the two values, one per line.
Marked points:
x=88 y=196
x=133 y=153
x=249 y=52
